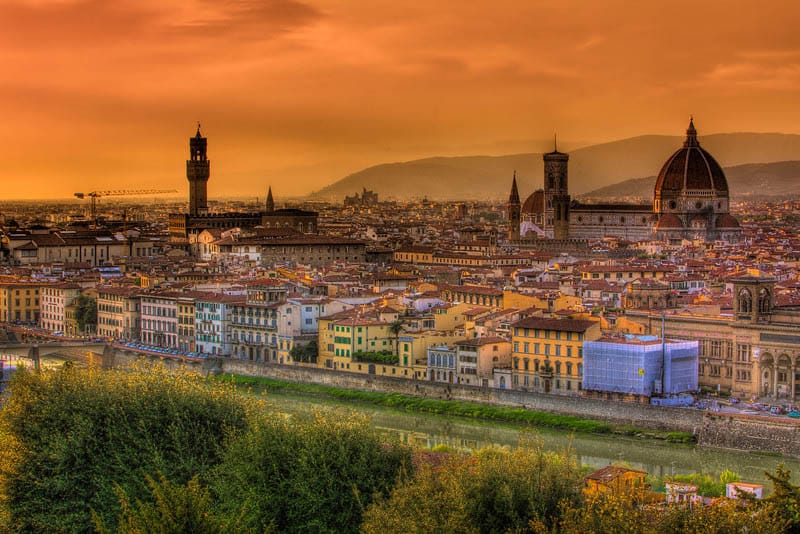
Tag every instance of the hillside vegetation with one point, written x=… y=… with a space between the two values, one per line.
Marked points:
x=145 y=451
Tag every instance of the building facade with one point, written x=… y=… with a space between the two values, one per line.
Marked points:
x=547 y=354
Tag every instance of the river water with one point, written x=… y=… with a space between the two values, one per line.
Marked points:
x=654 y=456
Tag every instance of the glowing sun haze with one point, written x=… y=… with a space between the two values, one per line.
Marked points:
x=101 y=94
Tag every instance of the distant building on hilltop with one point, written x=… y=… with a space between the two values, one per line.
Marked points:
x=186 y=227
x=690 y=201
x=367 y=198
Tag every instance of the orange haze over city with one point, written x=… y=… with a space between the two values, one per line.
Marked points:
x=104 y=94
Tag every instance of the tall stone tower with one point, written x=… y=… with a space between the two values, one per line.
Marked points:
x=556 y=194
x=197 y=172
x=514 y=210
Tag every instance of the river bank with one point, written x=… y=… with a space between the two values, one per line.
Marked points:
x=722 y=431
x=457 y=408
x=659 y=458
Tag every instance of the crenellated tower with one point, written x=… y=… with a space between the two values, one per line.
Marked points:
x=197 y=172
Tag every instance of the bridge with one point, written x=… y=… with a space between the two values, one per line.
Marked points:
x=88 y=353
x=91 y=353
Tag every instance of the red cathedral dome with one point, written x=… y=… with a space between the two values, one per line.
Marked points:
x=668 y=221
x=726 y=220
x=534 y=204
x=691 y=168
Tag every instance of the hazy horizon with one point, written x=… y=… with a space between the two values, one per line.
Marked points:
x=299 y=93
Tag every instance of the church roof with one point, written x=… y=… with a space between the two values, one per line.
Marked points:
x=691 y=168
x=513 y=198
x=534 y=204
x=726 y=220
x=668 y=220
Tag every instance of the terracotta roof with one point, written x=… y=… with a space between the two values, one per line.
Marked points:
x=563 y=325
x=726 y=220
x=610 y=472
x=534 y=204
x=668 y=220
x=691 y=168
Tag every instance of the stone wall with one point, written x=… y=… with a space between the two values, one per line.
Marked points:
x=641 y=415
x=750 y=433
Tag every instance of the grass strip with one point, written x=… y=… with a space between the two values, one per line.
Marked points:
x=453 y=408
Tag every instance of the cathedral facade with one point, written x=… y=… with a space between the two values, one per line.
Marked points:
x=690 y=201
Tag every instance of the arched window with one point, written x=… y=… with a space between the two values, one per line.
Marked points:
x=745 y=301
x=764 y=300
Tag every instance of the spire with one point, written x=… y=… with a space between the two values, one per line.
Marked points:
x=270 y=201
x=555 y=142
x=198 y=134
x=691 y=134
x=513 y=198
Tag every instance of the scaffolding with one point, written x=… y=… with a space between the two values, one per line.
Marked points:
x=640 y=365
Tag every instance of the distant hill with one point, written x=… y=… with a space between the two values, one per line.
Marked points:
x=779 y=179
x=591 y=167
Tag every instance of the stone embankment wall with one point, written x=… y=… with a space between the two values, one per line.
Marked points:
x=750 y=433
x=740 y=432
x=641 y=415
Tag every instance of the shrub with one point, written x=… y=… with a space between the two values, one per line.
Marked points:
x=80 y=436
x=311 y=473
x=495 y=490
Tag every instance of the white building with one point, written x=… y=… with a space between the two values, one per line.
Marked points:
x=53 y=303
x=212 y=332
x=119 y=312
x=160 y=320
x=298 y=322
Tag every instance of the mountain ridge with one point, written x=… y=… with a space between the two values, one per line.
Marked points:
x=592 y=167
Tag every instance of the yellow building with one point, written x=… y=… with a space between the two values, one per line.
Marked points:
x=343 y=334
x=547 y=354
x=19 y=302
x=551 y=303
x=616 y=479
x=186 y=323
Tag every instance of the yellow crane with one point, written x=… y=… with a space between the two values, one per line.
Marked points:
x=94 y=195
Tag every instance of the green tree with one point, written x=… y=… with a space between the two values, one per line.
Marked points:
x=495 y=490
x=86 y=314
x=175 y=509
x=305 y=353
x=71 y=437
x=308 y=473
x=783 y=505
x=396 y=328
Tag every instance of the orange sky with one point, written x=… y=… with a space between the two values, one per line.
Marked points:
x=103 y=94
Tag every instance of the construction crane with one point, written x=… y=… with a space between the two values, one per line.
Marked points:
x=94 y=195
